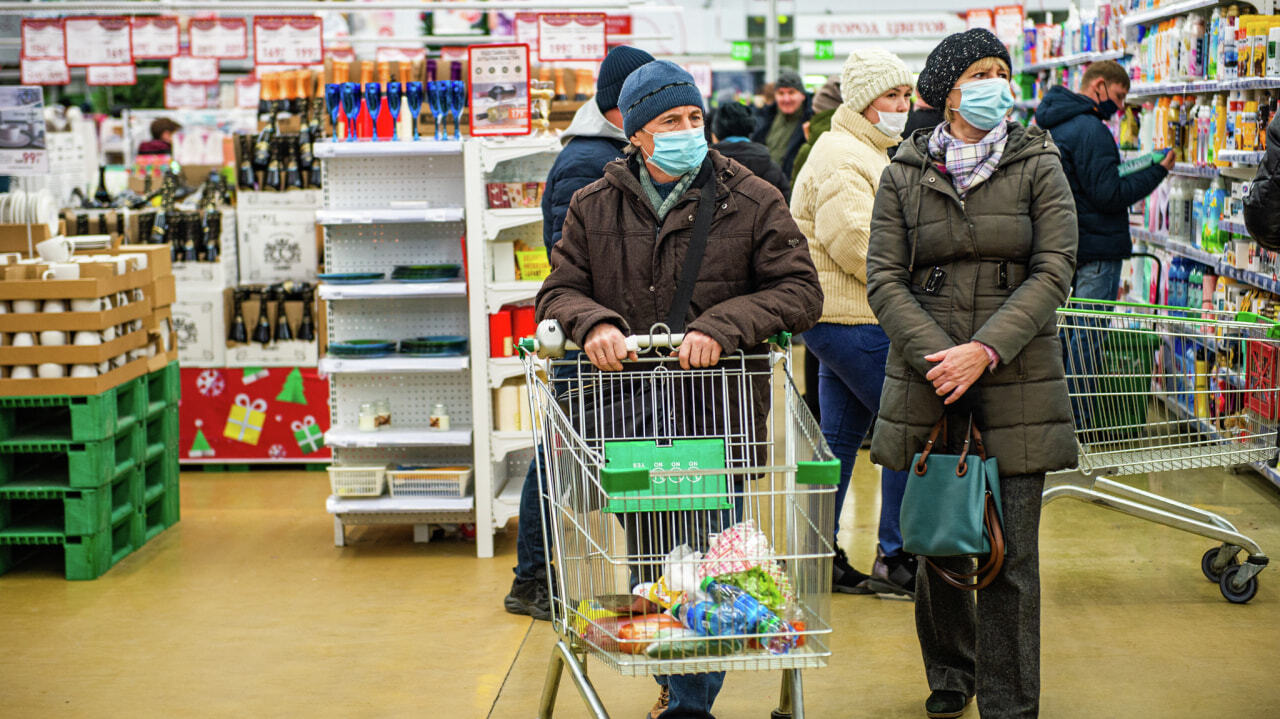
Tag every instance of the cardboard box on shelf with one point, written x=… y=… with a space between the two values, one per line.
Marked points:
x=97 y=280
x=200 y=317
x=223 y=273
x=67 y=353
x=288 y=353
x=24 y=238
x=276 y=234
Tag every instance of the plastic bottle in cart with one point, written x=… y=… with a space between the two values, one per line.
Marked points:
x=757 y=617
x=711 y=619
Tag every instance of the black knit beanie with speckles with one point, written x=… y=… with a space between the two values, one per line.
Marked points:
x=951 y=58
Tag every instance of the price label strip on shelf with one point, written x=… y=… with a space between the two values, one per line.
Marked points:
x=155 y=37
x=187 y=69
x=110 y=75
x=288 y=40
x=43 y=40
x=224 y=38
x=45 y=72
x=22 y=151
x=98 y=41
x=499 y=90
x=185 y=95
x=571 y=36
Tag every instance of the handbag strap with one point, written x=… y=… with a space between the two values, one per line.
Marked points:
x=697 y=247
x=989 y=570
x=939 y=429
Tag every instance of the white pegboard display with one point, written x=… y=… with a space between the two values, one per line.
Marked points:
x=411 y=398
x=379 y=248
x=362 y=183
x=398 y=319
x=440 y=456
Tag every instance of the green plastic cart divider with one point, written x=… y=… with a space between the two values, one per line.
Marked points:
x=631 y=457
x=820 y=472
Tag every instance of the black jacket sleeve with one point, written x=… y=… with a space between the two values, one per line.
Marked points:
x=1098 y=170
x=1262 y=204
x=555 y=201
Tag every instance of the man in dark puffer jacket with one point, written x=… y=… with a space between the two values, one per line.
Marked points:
x=732 y=129
x=593 y=140
x=1262 y=205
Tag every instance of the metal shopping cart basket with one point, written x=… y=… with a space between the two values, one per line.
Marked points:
x=710 y=492
x=1157 y=389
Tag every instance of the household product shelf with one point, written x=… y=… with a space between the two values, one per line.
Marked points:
x=1165 y=11
x=1242 y=157
x=505 y=293
x=1077 y=59
x=1186 y=169
x=497 y=220
x=393 y=290
x=393 y=365
x=496 y=151
x=1198 y=87
x=389 y=215
x=1219 y=264
x=330 y=150
x=422 y=437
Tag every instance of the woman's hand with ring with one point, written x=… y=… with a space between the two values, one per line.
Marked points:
x=957 y=369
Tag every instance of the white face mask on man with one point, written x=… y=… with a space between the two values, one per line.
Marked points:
x=892 y=123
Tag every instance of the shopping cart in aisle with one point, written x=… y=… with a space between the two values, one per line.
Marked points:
x=704 y=494
x=1158 y=389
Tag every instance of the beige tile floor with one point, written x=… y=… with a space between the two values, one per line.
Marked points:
x=245 y=608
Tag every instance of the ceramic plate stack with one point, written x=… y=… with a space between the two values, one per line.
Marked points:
x=351 y=278
x=361 y=349
x=434 y=346
x=30 y=208
x=425 y=273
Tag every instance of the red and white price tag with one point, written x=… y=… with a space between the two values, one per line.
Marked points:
x=184 y=95
x=288 y=40
x=341 y=53
x=185 y=68
x=42 y=40
x=1008 y=23
x=526 y=32
x=45 y=72
x=110 y=75
x=571 y=36
x=400 y=54
x=98 y=41
x=247 y=92
x=155 y=37
x=979 y=18
x=225 y=38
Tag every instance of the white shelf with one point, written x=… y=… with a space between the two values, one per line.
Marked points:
x=390 y=215
x=1242 y=157
x=1166 y=10
x=505 y=293
x=1077 y=59
x=390 y=505
x=504 y=368
x=1199 y=87
x=393 y=290
x=497 y=220
x=504 y=443
x=394 y=365
x=343 y=437
x=1186 y=169
x=494 y=151
x=329 y=149
x=506 y=504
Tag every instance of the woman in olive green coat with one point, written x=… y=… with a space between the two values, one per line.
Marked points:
x=981 y=206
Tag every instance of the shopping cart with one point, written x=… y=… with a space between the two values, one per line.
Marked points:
x=1158 y=389
x=663 y=481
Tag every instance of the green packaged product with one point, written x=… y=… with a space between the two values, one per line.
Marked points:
x=682 y=643
x=759 y=584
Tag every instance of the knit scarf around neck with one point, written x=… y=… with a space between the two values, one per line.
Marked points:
x=663 y=205
x=968 y=163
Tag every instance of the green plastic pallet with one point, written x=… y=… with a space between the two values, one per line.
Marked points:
x=82 y=464
x=162 y=432
x=161 y=472
x=77 y=511
x=164 y=385
x=162 y=512
x=70 y=418
x=85 y=557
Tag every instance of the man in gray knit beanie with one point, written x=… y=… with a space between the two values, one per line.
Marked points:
x=781 y=126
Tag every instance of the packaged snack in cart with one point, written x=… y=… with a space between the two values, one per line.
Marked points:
x=684 y=642
x=658 y=593
x=741 y=548
x=681 y=570
x=629 y=635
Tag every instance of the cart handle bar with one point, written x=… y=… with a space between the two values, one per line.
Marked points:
x=551 y=342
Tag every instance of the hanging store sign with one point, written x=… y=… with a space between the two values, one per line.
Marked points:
x=185 y=95
x=110 y=75
x=185 y=69
x=43 y=40
x=155 y=37
x=526 y=32
x=22 y=144
x=98 y=41
x=223 y=38
x=499 y=90
x=979 y=18
x=857 y=26
x=824 y=50
x=45 y=72
x=741 y=51
x=288 y=40
x=1008 y=23
x=571 y=36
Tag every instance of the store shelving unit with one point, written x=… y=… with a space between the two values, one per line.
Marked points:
x=376 y=215
x=502 y=458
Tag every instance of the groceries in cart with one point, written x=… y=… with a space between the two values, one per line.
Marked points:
x=704 y=604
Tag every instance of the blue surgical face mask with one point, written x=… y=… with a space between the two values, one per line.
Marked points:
x=679 y=151
x=984 y=103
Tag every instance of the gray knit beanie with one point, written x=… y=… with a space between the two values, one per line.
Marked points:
x=651 y=90
x=951 y=58
x=791 y=79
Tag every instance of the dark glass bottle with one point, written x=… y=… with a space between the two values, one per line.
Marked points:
x=238 y=332
x=212 y=234
x=283 y=330
x=262 y=331
x=292 y=175
x=244 y=173
x=262 y=147
x=101 y=196
x=274 y=178
x=191 y=237
x=307 y=325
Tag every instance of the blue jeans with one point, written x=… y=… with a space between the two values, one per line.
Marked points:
x=1096 y=280
x=849 y=382
x=531 y=553
x=691 y=694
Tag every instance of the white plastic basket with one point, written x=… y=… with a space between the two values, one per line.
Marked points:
x=430 y=482
x=357 y=481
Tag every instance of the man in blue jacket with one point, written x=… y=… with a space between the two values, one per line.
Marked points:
x=593 y=140
x=1092 y=163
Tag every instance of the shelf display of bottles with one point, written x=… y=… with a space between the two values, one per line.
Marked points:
x=1207 y=130
x=1080 y=38
x=1220 y=43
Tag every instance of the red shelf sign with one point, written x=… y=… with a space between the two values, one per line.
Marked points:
x=43 y=40
x=288 y=40
x=187 y=69
x=110 y=75
x=223 y=38
x=571 y=36
x=45 y=72
x=98 y=41
x=155 y=37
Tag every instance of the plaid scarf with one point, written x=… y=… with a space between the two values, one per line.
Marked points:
x=968 y=164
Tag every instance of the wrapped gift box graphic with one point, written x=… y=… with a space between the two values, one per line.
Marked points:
x=308 y=434
x=246 y=419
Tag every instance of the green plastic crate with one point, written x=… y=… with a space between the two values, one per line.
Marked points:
x=85 y=557
x=162 y=513
x=161 y=473
x=127 y=535
x=73 y=418
x=164 y=386
x=75 y=512
x=82 y=464
x=162 y=432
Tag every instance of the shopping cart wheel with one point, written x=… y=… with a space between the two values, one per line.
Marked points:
x=775 y=714
x=1206 y=565
x=1233 y=595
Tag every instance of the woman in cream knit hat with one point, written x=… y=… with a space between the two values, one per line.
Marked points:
x=832 y=201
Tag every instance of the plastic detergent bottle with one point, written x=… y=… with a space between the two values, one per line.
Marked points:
x=757 y=618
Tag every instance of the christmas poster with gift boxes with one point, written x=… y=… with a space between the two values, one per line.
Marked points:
x=254 y=414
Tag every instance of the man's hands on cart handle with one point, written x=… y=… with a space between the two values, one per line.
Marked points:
x=606 y=347
x=698 y=350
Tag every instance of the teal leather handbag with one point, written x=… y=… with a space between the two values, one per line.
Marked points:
x=951 y=508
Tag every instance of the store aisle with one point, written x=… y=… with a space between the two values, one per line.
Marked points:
x=246 y=608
